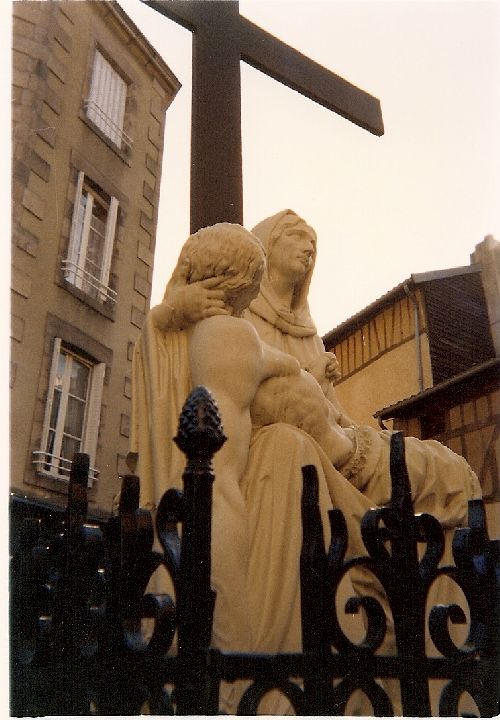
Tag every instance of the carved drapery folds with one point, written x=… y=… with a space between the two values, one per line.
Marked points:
x=79 y=602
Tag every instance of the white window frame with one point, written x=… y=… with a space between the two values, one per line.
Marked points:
x=74 y=264
x=52 y=464
x=105 y=106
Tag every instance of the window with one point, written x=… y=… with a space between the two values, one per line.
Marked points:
x=105 y=106
x=72 y=413
x=91 y=241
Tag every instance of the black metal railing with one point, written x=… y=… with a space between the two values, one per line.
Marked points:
x=79 y=602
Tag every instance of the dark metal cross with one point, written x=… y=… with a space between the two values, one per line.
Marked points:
x=221 y=39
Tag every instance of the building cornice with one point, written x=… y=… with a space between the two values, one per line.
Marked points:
x=152 y=59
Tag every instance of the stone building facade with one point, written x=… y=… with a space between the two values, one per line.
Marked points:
x=89 y=100
x=425 y=359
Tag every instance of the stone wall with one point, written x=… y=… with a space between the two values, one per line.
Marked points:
x=54 y=45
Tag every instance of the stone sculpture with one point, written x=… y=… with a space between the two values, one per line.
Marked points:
x=278 y=417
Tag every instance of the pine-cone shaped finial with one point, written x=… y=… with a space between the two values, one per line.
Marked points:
x=200 y=434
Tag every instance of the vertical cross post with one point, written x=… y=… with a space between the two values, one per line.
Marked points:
x=222 y=37
x=216 y=173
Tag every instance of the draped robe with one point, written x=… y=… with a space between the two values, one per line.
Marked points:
x=269 y=615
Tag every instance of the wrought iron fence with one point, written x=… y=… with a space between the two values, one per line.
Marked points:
x=79 y=598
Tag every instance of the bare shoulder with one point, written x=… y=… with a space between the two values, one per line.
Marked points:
x=234 y=332
x=225 y=354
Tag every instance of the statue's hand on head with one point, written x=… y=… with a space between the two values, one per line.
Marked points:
x=185 y=304
x=196 y=302
x=325 y=367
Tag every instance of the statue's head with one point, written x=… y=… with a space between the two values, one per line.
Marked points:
x=290 y=245
x=231 y=253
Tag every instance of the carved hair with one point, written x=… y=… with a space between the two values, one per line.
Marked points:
x=224 y=250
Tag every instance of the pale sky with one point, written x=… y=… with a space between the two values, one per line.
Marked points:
x=419 y=198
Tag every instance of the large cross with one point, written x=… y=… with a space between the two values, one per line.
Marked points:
x=221 y=39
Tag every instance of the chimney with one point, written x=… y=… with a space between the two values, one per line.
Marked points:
x=487 y=255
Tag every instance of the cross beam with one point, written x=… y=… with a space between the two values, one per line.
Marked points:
x=221 y=39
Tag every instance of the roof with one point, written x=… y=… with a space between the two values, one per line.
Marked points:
x=398 y=292
x=488 y=371
x=154 y=59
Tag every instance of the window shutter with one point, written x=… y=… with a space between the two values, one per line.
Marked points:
x=97 y=92
x=109 y=240
x=114 y=104
x=84 y=241
x=50 y=392
x=108 y=93
x=76 y=231
x=89 y=444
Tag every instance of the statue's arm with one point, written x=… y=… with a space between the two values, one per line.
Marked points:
x=185 y=304
x=326 y=370
x=278 y=363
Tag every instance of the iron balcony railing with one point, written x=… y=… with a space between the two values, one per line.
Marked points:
x=112 y=129
x=85 y=281
x=52 y=465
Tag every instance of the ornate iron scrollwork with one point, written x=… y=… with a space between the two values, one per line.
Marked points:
x=80 y=597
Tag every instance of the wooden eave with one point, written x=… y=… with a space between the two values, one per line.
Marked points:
x=356 y=322
x=460 y=388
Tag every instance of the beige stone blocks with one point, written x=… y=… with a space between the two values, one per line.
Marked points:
x=53 y=44
x=154 y=133
x=63 y=38
x=156 y=108
x=26 y=241
x=125 y=425
x=21 y=283
x=40 y=166
x=17 y=328
x=34 y=203
x=146 y=222
x=127 y=387
x=145 y=254
x=137 y=317
x=148 y=192
x=151 y=164
x=142 y=286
